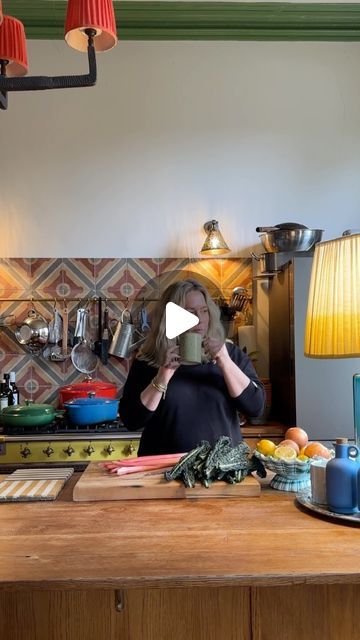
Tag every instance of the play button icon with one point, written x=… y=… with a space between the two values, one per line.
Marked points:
x=178 y=320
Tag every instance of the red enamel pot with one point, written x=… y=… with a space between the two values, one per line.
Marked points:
x=86 y=388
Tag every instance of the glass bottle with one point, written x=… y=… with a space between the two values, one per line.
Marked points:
x=15 y=390
x=3 y=396
x=8 y=389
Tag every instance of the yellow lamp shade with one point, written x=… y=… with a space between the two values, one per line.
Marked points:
x=333 y=315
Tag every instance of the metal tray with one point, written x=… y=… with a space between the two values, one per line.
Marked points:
x=305 y=500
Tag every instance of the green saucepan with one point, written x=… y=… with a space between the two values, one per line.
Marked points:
x=29 y=415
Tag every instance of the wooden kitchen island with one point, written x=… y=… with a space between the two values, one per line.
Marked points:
x=212 y=569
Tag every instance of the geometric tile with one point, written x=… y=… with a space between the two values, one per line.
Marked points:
x=208 y=273
x=47 y=278
x=142 y=278
x=236 y=273
x=9 y=344
x=14 y=278
x=78 y=278
x=172 y=270
x=46 y=395
x=110 y=277
x=47 y=373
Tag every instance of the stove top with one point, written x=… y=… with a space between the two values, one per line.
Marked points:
x=62 y=426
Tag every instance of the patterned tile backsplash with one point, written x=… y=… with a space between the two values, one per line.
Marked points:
x=42 y=282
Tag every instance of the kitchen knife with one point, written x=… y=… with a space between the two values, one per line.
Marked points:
x=105 y=337
x=98 y=342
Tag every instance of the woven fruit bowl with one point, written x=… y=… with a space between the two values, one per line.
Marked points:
x=290 y=475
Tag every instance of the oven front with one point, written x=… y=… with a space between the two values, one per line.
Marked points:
x=59 y=445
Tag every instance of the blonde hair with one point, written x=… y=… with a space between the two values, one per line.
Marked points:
x=156 y=344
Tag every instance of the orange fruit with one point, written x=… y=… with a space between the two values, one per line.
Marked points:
x=317 y=449
x=298 y=435
x=284 y=452
x=291 y=443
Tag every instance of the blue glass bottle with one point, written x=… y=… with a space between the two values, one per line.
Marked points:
x=341 y=478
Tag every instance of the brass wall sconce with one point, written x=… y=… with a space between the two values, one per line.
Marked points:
x=214 y=244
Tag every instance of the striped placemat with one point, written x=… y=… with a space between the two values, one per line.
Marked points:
x=34 y=484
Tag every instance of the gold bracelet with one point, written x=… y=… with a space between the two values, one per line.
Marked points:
x=159 y=387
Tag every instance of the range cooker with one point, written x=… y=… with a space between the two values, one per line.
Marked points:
x=63 y=444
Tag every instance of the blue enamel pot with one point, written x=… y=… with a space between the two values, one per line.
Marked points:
x=91 y=410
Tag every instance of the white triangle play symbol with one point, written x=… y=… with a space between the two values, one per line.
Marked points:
x=178 y=320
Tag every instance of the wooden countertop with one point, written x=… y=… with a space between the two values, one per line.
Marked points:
x=210 y=542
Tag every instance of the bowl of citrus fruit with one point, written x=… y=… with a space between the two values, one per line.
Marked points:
x=291 y=459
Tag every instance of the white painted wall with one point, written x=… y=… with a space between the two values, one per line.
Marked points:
x=174 y=134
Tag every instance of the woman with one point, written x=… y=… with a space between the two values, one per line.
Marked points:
x=180 y=405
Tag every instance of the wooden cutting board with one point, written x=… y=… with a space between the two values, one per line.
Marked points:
x=33 y=484
x=98 y=484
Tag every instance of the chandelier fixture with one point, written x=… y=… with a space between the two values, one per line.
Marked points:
x=90 y=26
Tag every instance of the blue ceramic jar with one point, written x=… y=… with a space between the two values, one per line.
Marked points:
x=342 y=478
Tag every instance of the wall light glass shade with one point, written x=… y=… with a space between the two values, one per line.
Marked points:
x=333 y=314
x=13 y=46
x=90 y=14
x=214 y=243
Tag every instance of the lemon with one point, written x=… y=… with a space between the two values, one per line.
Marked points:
x=266 y=447
x=302 y=457
x=284 y=452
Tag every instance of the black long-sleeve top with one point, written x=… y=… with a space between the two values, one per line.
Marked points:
x=197 y=405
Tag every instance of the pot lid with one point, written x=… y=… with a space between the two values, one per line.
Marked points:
x=89 y=402
x=31 y=409
x=87 y=385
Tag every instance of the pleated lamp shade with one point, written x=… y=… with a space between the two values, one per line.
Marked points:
x=94 y=14
x=13 y=46
x=333 y=314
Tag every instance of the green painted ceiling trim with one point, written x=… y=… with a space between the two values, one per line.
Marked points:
x=44 y=19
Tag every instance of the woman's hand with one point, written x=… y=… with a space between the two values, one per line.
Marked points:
x=171 y=363
x=216 y=350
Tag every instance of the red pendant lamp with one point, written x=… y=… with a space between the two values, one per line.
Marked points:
x=90 y=26
x=13 y=46
x=97 y=15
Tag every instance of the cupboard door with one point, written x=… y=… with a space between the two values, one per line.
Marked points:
x=197 y=613
x=303 y=612
x=60 y=615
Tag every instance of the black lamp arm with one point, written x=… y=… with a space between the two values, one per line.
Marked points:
x=38 y=83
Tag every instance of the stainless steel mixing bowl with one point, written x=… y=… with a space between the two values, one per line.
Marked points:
x=288 y=240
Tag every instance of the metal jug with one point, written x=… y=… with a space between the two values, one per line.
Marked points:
x=122 y=343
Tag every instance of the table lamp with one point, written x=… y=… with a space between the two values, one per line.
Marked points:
x=332 y=327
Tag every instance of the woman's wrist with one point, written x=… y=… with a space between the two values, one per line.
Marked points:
x=222 y=357
x=164 y=375
x=159 y=386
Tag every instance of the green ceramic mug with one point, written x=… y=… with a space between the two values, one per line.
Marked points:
x=190 y=348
